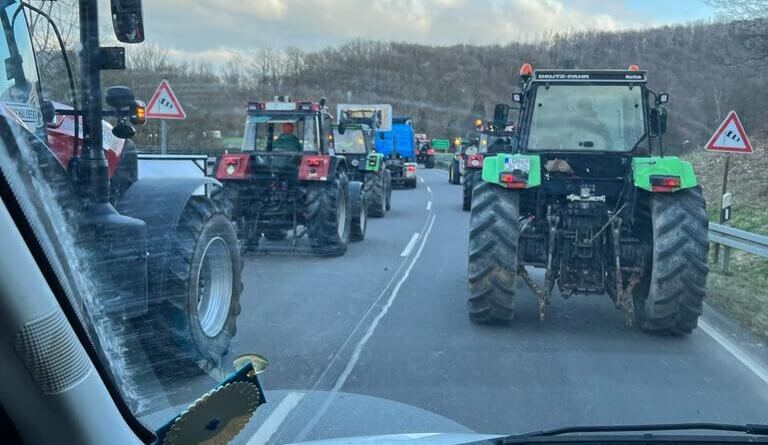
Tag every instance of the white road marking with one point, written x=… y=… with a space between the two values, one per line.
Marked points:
x=429 y=205
x=429 y=190
x=734 y=350
x=421 y=179
x=276 y=418
x=408 y=247
x=361 y=344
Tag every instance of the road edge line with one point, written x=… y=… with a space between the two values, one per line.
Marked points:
x=276 y=418
x=364 y=339
x=757 y=369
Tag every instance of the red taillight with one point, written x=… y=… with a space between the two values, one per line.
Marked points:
x=314 y=168
x=411 y=168
x=664 y=183
x=475 y=160
x=233 y=166
x=511 y=181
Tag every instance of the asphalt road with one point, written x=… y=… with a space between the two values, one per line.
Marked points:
x=378 y=341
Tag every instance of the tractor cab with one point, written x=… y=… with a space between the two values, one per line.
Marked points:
x=355 y=143
x=282 y=138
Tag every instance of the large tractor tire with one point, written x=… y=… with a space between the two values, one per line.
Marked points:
x=676 y=280
x=329 y=216
x=454 y=173
x=359 y=207
x=201 y=292
x=470 y=179
x=375 y=194
x=493 y=239
x=429 y=162
x=388 y=184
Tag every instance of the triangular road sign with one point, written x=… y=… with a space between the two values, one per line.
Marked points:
x=730 y=137
x=164 y=104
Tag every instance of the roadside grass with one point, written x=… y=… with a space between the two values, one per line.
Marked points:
x=743 y=294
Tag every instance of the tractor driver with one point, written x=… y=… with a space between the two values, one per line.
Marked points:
x=287 y=141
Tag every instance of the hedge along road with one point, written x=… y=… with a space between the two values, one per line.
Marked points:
x=378 y=341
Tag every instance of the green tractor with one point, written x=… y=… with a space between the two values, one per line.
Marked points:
x=491 y=140
x=588 y=195
x=354 y=142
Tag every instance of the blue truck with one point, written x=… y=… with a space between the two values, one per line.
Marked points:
x=398 y=145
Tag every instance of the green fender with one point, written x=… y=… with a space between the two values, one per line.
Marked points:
x=529 y=165
x=645 y=167
x=373 y=162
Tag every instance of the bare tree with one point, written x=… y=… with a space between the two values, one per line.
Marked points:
x=751 y=32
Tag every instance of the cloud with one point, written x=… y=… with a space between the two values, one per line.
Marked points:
x=207 y=26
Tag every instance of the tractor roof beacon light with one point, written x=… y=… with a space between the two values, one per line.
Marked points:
x=526 y=71
x=633 y=67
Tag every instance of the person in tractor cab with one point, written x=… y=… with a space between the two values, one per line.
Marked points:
x=287 y=140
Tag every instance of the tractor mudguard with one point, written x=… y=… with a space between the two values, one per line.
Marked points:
x=643 y=168
x=526 y=169
x=159 y=202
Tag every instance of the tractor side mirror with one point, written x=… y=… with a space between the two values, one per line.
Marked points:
x=127 y=110
x=517 y=98
x=127 y=20
x=658 y=120
x=500 y=115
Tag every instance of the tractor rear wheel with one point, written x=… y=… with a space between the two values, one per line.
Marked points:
x=375 y=194
x=470 y=178
x=493 y=238
x=201 y=295
x=359 y=206
x=329 y=215
x=454 y=173
x=388 y=185
x=676 y=280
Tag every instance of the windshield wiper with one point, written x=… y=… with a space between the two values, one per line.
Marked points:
x=749 y=428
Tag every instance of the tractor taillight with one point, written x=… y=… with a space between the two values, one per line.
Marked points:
x=233 y=166
x=475 y=160
x=314 y=167
x=511 y=181
x=411 y=168
x=664 y=183
x=430 y=151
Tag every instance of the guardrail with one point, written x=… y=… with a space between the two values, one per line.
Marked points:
x=733 y=238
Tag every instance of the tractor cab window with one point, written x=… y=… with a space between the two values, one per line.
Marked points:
x=586 y=118
x=279 y=134
x=351 y=142
x=18 y=73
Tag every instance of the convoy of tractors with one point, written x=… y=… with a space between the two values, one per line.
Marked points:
x=600 y=208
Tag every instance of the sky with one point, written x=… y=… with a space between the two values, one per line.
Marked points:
x=218 y=29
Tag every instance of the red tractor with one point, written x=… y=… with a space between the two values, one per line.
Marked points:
x=157 y=256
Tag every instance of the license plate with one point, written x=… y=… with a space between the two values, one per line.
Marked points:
x=512 y=164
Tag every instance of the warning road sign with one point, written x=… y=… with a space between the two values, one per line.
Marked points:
x=730 y=137
x=164 y=104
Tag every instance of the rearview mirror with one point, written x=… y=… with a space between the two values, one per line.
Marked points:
x=500 y=115
x=127 y=20
x=658 y=120
x=517 y=98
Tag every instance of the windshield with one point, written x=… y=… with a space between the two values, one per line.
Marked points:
x=279 y=133
x=18 y=75
x=555 y=223
x=351 y=142
x=586 y=118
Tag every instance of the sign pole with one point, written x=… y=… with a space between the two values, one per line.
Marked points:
x=164 y=137
x=721 y=217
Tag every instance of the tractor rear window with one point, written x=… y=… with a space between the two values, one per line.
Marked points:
x=351 y=142
x=587 y=118
x=279 y=134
